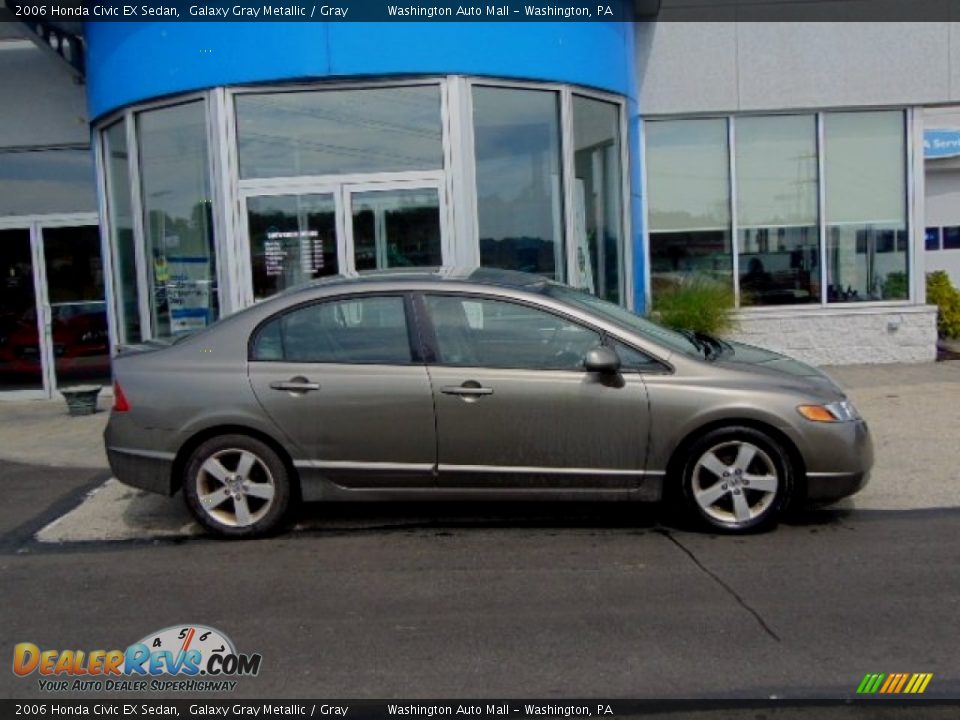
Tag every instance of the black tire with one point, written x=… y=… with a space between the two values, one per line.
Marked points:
x=227 y=518
x=747 y=486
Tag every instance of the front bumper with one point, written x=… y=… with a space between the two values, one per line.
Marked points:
x=839 y=460
x=833 y=486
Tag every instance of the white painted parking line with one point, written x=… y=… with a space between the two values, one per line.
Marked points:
x=114 y=511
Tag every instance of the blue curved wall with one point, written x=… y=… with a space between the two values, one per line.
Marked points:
x=132 y=62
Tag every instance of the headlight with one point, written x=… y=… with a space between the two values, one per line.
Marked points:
x=841 y=411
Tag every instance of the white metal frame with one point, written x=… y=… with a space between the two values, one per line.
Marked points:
x=455 y=183
x=913 y=205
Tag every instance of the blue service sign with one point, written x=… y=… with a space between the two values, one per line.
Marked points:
x=941 y=143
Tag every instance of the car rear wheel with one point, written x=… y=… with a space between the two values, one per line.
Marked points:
x=737 y=479
x=236 y=486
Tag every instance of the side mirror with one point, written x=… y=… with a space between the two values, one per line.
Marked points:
x=602 y=359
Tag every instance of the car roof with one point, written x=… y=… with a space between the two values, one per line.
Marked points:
x=440 y=275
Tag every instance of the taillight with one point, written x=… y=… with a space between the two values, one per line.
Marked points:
x=120 y=403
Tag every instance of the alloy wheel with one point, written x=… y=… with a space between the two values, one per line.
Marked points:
x=235 y=487
x=735 y=483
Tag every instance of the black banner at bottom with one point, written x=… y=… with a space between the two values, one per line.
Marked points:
x=480 y=709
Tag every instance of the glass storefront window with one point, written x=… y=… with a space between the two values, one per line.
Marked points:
x=598 y=225
x=175 y=187
x=777 y=223
x=331 y=132
x=519 y=182
x=120 y=216
x=865 y=186
x=337 y=179
x=37 y=182
x=689 y=201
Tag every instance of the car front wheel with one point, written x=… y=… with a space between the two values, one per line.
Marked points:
x=236 y=486
x=737 y=479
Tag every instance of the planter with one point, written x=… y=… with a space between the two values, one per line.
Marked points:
x=81 y=400
x=950 y=345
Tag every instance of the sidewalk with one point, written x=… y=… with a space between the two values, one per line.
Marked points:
x=913 y=411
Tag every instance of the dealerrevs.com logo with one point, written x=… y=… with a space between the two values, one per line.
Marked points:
x=201 y=658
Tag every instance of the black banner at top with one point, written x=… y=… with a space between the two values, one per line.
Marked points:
x=325 y=11
x=483 y=11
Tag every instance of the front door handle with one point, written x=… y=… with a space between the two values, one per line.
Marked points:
x=295 y=385
x=466 y=390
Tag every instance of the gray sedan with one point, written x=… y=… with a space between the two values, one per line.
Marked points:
x=453 y=384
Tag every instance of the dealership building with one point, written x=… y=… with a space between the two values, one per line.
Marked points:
x=155 y=176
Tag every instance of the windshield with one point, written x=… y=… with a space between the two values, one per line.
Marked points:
x=624 y=318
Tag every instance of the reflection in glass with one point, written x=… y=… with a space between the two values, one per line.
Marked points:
x=396 y=228
x=293 y=239
x=931 y=239
x=598 y=229
x=865 y=183
x=519 y=198
x=20 y=361
x=329 y=132
x=36 y=182
x=688 y=181
x=951 y=238
x=81 y=343
x=121 y=231
x=175 y=178
x=779 y=239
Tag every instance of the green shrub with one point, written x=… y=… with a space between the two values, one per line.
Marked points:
x=697 y=303
x=942 y=293
x=895 y=286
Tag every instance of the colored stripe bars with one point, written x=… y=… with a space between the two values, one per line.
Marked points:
x=895 y=683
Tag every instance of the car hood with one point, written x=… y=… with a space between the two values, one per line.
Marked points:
x=752 y=359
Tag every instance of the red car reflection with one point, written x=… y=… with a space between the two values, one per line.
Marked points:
x=81 y=345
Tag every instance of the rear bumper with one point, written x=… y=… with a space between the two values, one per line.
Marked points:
x=146 y=472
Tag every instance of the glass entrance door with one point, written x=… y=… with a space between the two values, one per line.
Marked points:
x=53 y=313
x=293 y=239
x=21 y=355
x=77 y=306
x=297 y=235
x=395 y=228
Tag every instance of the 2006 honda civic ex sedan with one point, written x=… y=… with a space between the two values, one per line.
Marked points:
x=453 y=384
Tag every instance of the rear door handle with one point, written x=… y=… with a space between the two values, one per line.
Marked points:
x=461 y=390
x=295 y=385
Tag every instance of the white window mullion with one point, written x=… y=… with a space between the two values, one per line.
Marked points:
x=115 y=310
x=822 y=208
x=139 y=234
x=568 y=175
x=734 y=234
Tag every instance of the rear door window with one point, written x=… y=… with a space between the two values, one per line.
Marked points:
x=358 y=330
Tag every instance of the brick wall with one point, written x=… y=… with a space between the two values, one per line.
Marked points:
x=844 y=336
